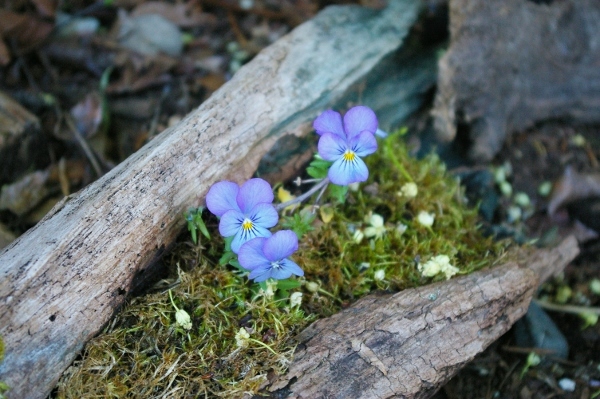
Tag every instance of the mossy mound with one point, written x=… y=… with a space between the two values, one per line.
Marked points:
x=144 y=353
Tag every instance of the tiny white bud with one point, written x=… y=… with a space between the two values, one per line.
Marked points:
x=401 y=228
x=578 y=140
x=296 y=299
x=409 y=190
x=183 y=319
x=379 y=275
x=505 y=188
x=522 y=199
x=358 y=236
x=425 y=218
x=311 y=286
x=241 y=338
x=545 y=188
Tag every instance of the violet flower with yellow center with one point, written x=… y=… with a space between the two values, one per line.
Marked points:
x=345 y=142
x=246 y=212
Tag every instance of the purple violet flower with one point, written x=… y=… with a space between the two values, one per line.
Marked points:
x=344 y=143
x=268 y=257
x=246 y=212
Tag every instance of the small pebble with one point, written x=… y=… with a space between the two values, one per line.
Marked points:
x=566 y=384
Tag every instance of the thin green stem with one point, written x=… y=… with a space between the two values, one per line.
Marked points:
x=172 y=302
x=262 y=344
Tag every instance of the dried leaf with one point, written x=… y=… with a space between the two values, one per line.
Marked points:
x=149 y=34
x=183 y=15
x=4 y=53
x=27 y=31
x=46 y=8
x=23 y=195
x=87 y=114
x=573 y=186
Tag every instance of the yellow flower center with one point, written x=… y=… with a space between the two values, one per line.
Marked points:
x=247 y=224
x=349 y=156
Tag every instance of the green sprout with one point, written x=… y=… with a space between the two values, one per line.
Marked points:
x=195 y=223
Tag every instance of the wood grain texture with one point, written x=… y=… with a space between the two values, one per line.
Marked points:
x=62 y=280
x=512 y=66
x=407 y=345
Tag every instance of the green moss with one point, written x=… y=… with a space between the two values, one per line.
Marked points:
x=144 y=353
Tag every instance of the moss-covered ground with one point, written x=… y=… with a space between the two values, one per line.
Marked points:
x=145 y=353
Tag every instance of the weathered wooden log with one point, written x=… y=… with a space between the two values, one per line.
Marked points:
x=407 y=345
x=63 y=279
x=511 y=66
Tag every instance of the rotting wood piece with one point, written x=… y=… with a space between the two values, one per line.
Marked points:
x=61 y=281
x=511 y=66
x=409 y=344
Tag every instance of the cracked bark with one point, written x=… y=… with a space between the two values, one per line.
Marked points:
x=407 y=345
x=62 y=280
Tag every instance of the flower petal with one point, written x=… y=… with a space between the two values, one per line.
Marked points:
x=329 y=122
x=264 y=215
x=280 y=273
x=358 y=119
x=222 y=197
x=254 y=191
x=243 y=236
x=280 y=245
x=346 y=172
x=251 y=254
x=231 y=223
x=363 y=144
x=331 y=147
x=260 y=274
x=292 y=267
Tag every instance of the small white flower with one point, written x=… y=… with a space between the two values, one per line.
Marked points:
x=401 y=228
x=183 y=319
x=522 y=199
x=358 y=236
x=242 y=337
x=429 y=268
x=505 y=188
x=409 y=190
x=438 y=264
x=449 y=270
x=271 y=288
x=379 y=275
x=377 y=228
x=425 y=218
x=296 y=299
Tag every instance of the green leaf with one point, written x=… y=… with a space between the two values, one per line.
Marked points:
x=226 y=258
x=288 y=284
x=338 y=192
x=228 y=241
x=195 y=223
x=300 y=222
x=318 y=168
